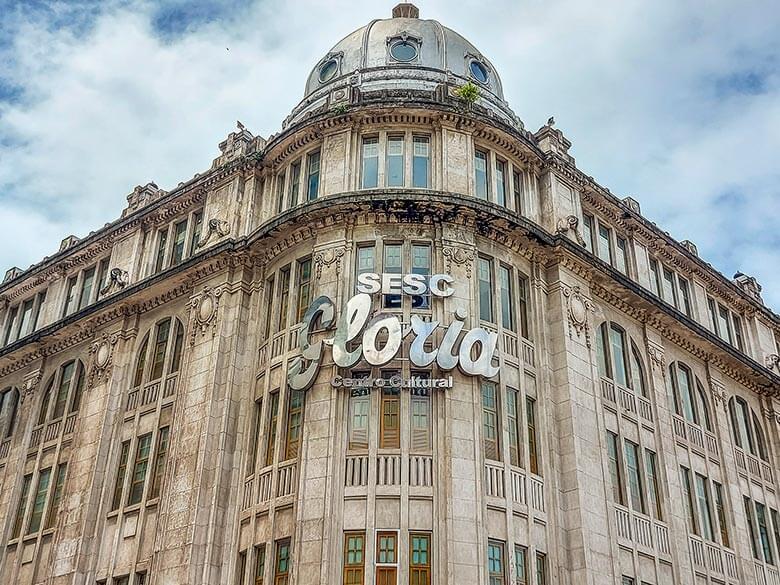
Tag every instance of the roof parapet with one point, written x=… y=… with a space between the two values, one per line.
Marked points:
x=749 y=286
x=141 y=197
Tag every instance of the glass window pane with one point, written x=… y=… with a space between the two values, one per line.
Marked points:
x=421 y=163
x=621 y=258
x=703 y=500
x=393 y=265
x=314 y=176
x=505 y=294
x=395 y=161
x=613 y=453
x=617 y=345
x=480 y=174
x=634 y=477
x=370 y=163
x=587 y=232
x=501 y=183
x=605 y=244
x=179 y=235
x=39 y=501
x=485 y=289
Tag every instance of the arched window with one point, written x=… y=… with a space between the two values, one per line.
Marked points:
x=688 y=395
x=9 y=402
x=160 y=352
x=63 y=392
x=746 y=428
x=616 y=361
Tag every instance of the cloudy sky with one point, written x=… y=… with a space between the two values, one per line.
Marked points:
x=675 y=103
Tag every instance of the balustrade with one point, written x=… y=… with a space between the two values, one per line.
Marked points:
x=494 y=479
x=356 y=472
x=287 y=479
x=420 y=470
x=388 y=470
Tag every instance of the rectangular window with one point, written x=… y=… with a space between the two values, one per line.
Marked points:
x=279 y=192
x=587 y=231
x=485 y=275
x=241 y=568
x=354 y=561
x=615 y=472
x=386 y=558
x=653 y=491
x=123 y=580
x=517 y=188
x=521 y=564
x=720 y=512
x=282 y=566
x=763 y=532
x=64 y=388
x=506 y=296
x=633 y=476
x=37 y=314
x=273 y=421
x=359 y=404
x=490 y=428
x=703 y=502
x=685 y=295
x=522 y=305
x=197 y=228
x=269 y=305
x=70 y=301
x=102 y=276
x=39 y=501
x=395 y=161
x=370 y=163
x=513 y=420
x=160 y=457
x=541 y=569
x=22 y=506
x=259 y=564
x=119 y=483
x=54 y=506
x=667 y=286
x=533 y=459
x=26 y=317
x=421 y=264
x=775 y=528
x=138 y=475
x=284 y=298
x=393 y=265
x=366 y=261
x=295 y=184
x=655 y=279
x=160 y=345
x=313 y=186
x=604 y=243
x=294 y=424
x=621 y=257
x=419 y=559
x=255 y=436
x=737 y=328
x=420 y=431
x=390 y=414
x=724 y=327
x=11 y=325
x=501 y=183
x=496 y=575
x=421 y=163
x=179 y=238
x=617 y=347
x=304 y=287
x=685 y=475
x=162 y=246
x=480 y=174
x=753 y=533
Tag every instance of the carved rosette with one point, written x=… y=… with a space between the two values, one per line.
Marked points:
x=216 y=227
x=577 y=308
x=460 y=257
x=102 y=357
x=657 y=356
x=204 y=310
x=327 y=258
x=30 y=383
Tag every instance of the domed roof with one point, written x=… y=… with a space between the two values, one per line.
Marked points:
x=402 y=52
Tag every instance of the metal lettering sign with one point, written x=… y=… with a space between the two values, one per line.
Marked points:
x=473 y=355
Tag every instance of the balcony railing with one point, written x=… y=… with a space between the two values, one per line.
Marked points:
x=642 y=530
x=149 y=393
x=388 y=470
x=51 y=431
x=766 y=575
x=246 y=498
x=712 y=556
x=5 y=447
x=264 y=486
x=698 y=439
x=627 y=399
x=757 y=468
x=287 y=478
x=356 y=473
x=494 y=479
x=420 y=470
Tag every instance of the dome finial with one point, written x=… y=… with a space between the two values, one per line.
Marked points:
x=406 y=10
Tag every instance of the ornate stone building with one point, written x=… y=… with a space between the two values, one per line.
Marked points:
x=404 y=340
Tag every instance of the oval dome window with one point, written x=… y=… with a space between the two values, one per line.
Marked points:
x=328 y=70
x=403 y=51
x=479 y=71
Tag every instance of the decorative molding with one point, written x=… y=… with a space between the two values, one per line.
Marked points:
x=117 y=280
x=215 y=226
x=30 y=382
x=657 y=355
x=577 y=308
x=771 y=415
x=567 y=224
x=773 y=361
x=204 y=310
x=326 y=258
x=102 y=357
x=459 y=256
x=719 y=395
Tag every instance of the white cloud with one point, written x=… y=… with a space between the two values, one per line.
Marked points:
x=677 y=104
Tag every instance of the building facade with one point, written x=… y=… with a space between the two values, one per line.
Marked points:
x=404 y=340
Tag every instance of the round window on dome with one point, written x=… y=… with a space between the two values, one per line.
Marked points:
x=328 y=70
x=479 y=71
x=404 y=51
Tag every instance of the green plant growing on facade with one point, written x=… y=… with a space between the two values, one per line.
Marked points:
x=468 y=92
x=340 y=109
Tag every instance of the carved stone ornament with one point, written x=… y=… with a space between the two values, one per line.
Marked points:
x=578 y=306
x=204 y=312
x=773 y=361
x=657 y=356
x=327 y=258
x=459 y=256
x=216 y=227
x=719 y=395
x=771 y=415
x=102 y=352
x=570 y=223
x=30 y=383
x=117 y=280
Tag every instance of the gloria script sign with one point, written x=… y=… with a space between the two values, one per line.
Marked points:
x=472 y=354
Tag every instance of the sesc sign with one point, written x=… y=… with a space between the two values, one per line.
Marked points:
x=473 y=355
